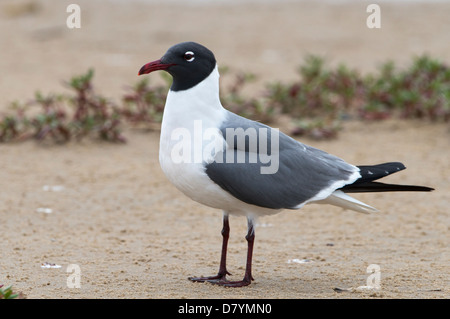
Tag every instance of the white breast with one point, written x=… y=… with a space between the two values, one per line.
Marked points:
x=190 y=118
x=189 y=136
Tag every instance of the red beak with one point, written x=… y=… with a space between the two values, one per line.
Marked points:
x=154 y=66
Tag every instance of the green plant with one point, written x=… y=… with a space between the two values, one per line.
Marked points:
x=7 y=293
x=321 y=94
x=14 y=126
x=144 y=103
x=317 y=129
x=65 y=116
x=236 y=101
x=319 y=91
x=52 y=120
x=93 y=113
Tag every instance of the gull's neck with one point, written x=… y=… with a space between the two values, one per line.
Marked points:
x=200 y=102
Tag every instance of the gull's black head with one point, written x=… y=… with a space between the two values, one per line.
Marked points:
x=189 y=63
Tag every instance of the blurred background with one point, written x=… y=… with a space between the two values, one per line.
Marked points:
x=267 y=38
x=108 y=207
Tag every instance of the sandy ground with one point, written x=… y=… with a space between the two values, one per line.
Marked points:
x=133 y=235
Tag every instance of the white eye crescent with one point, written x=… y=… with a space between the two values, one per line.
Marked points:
x=189 y=56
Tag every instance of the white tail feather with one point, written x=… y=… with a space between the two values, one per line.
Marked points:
x=339 y=198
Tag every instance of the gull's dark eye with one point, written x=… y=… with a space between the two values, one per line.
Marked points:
x=189 y=56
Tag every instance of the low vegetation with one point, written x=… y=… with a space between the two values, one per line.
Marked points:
x=318 y=102
x=8 y=293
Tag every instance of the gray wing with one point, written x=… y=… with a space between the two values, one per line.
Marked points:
x=301 y=173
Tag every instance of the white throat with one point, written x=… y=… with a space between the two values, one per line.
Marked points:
x=200 y=102
x=184 y=110
x=189 y=116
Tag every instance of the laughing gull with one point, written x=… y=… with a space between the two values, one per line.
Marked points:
x=243 y=167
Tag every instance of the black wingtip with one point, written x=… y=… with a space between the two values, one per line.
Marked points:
x=371 y=173
x=372 y=187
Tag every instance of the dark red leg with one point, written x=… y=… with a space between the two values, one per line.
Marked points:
x=248 y=268
x=220 y=279
x=223 y=258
